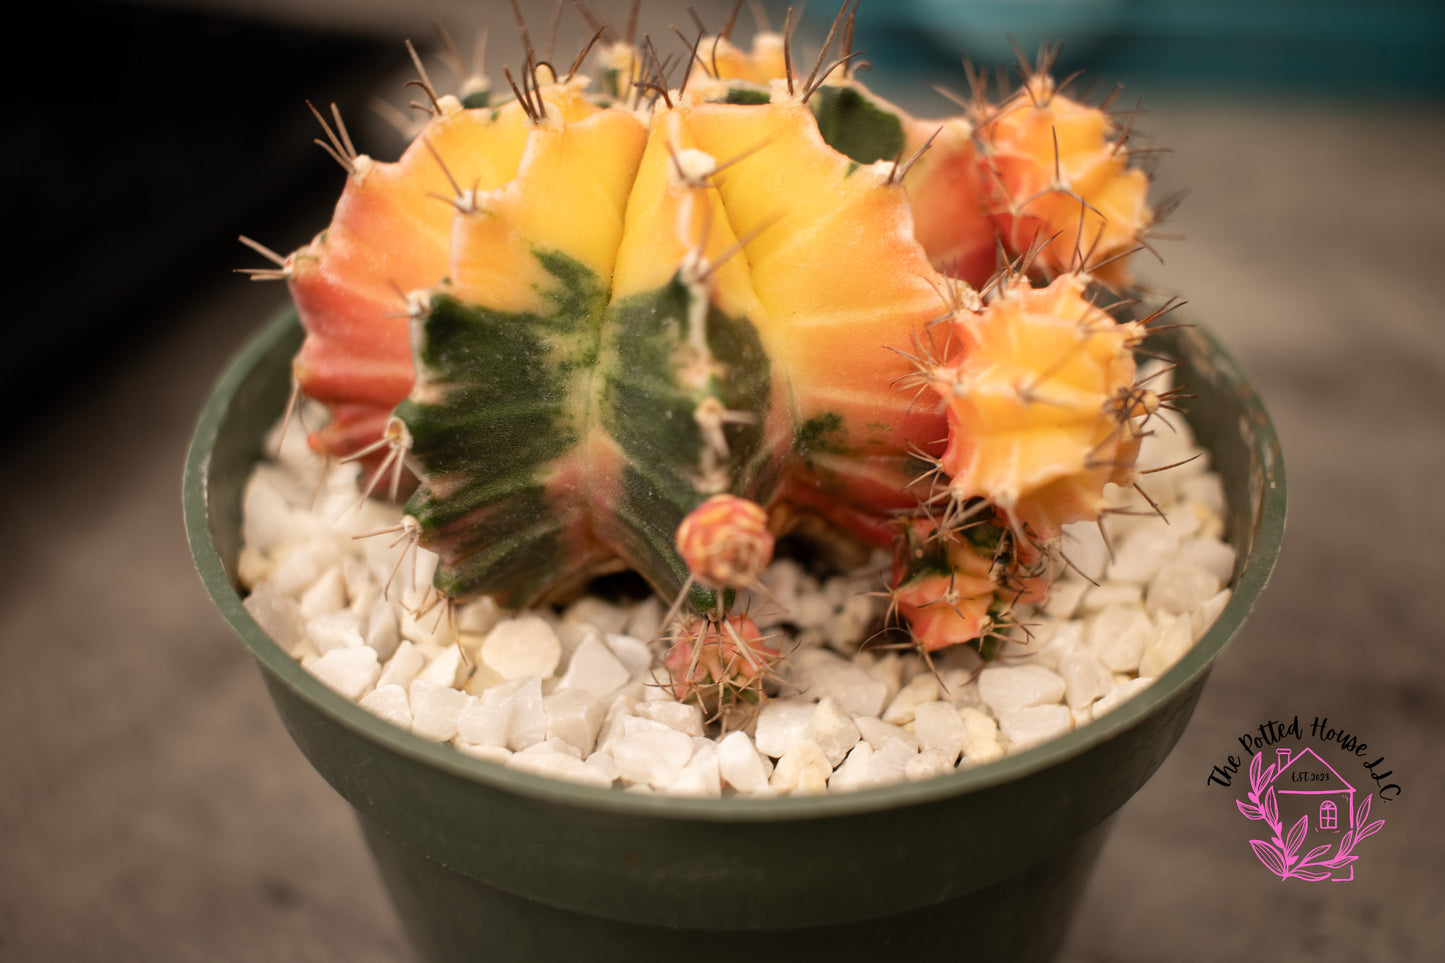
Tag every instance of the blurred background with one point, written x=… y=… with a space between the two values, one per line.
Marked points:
x=151 y=806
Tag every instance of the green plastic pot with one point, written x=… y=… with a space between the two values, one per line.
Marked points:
x=484 y=863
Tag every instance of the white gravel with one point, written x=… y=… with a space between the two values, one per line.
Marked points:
x=578 y=694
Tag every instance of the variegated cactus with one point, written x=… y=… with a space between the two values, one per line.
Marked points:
x=581 y=313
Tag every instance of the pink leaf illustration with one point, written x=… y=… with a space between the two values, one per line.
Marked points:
x=1313 y=875
x=1296 y=836
x=1363 y=812
x=1250 y=812
x=1271 y=807
x=1347 y=842
x=1315 y=853
x=1256 y=769
x=1339 y=861
x=1370 y=830
x=1269 y=856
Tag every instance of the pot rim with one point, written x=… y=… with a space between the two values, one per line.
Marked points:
x=1269 y=523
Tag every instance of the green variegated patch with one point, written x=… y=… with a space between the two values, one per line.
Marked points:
x=545 y=438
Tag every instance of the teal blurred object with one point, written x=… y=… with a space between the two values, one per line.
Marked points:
x=1333 y=47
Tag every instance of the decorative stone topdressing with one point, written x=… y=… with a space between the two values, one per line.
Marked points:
x=581 y=694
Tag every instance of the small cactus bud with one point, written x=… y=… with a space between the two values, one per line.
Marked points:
x=725 y=542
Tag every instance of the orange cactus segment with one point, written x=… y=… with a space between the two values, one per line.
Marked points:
x=725 y=542
x=1039 y=406
x=390 y=233
x=941 y=586
x=1063 y=177
x=950 y=199
x=569 y=196
x=845 y=288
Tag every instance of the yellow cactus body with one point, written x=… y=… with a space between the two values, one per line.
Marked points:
x=845 y=291
x=1040 y=400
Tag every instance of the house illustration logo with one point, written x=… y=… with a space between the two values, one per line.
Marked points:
x=1314 y=817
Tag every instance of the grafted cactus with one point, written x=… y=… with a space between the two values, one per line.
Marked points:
x=583 y=313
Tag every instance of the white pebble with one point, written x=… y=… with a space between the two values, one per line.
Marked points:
x=324 y=596
x=1086 y=550
x=1141 y=554
x=350 y=671
x=920 y=689
x=599 y=613
x=424 y=620
x=520 y=647
x=1064 y=597
x=1210 y=554
x=833 y=731
x=928 y=763
x=445 y=668
x=651 y=756
x=595 y=669
x=487 y=719
x=1167 y=647
x=878 y=733
x=1085 y=678
x=740 y=764
x=781 y=724
x=1117 y=634
x=478 y=616
x=497 y=754
x=939 y=726
x=1206 y=490
x=683 y=717
x=645 y=620
x=604 y=766
x=574 y=716
x=803 y=768
x=701 y=777
x=1121 y=694
x=403 y=666
x=435 y=709
x=1203 y=617
x=822 y=674
x=632 y=653
x=544 y=760
x=389 y=702
x=303 y=564
x=278 y=616
x=853 y=773
x=1007 y=687
x=1111 y=594
x=980 y=743
x=1032 y=725
x=382 y=633
x=529 y=715
x=887 y=669
x=1181 y=586
x=887 y=765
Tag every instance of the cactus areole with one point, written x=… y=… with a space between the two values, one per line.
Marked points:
x=578 y=315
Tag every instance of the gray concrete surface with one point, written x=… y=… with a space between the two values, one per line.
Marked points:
x=152 y=807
